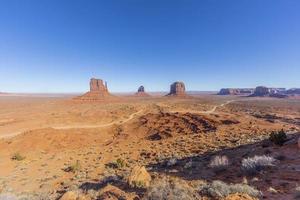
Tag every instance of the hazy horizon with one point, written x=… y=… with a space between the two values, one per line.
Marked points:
x=57 y=46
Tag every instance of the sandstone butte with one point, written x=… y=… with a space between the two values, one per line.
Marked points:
x=141 y=92
x=177 y=89
x=98 y=92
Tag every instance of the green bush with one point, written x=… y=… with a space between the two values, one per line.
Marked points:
x=278 y=137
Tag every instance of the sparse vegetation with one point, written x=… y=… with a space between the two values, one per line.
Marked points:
x=219 y=163
x=18 y=157
x=166 y=188
x=255 y=164
x=219 y=189
x=278 y=137
x=297 y=193
x=118 y=164
x=172 y=162
x=74 y=167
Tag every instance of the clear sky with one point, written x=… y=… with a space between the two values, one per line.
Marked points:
x=58 y=45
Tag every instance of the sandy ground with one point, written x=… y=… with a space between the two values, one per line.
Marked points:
x=54 y=133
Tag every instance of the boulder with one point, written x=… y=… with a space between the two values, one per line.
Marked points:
x=177 y=89
x=74 y=195
x=139 y=178
x=111 y=192
x=70 y=195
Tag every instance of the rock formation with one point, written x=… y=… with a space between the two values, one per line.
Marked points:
x=141 y=89
x=96 y=85
x=141 y=92
x=236 y=91
x=261 y=91
x=98 y=91
x=293 y=91
x=177 y=89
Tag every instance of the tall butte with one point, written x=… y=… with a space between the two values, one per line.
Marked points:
x=141 y=92
x=98 y=91
x=177 y=89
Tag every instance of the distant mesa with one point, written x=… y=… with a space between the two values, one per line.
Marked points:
x=177 y=89
x=259 y=91
x=141 y=89
x=262 y=91
x=98 y=91
x=236 y=91
x=141 y=92
x=293 y=91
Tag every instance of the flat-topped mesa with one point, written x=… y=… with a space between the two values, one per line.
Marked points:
x=141 y=92
x=98 y=91
x=262 y=91
x=236 y=91
x=293 y=91
x=177 y=89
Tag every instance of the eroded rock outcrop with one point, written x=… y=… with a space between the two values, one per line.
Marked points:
x=177 y=89
x=236 y=91
x=141 y=92
x=98 y=91
x=293 y=91
x=261 y=91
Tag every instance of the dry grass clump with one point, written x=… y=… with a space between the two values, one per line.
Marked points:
x=219 y=189
x=17 y=156
x=256 y=164
x=118 y=164
x=74 y=167
x=219 y=163
x=166 y=188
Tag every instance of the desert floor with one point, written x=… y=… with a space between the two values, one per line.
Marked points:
x=52 y=134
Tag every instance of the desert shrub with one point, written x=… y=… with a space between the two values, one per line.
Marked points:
x=172 y=162
x=118 y=164
x=278 y=137
x=219 y=189
x=17 y=156
x=165 y=189
x=219 y=163
x=297 y=193
x=74 y=167
x=188 y=165
x=257 y=163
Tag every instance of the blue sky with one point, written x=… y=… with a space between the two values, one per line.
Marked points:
x=58 y=45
